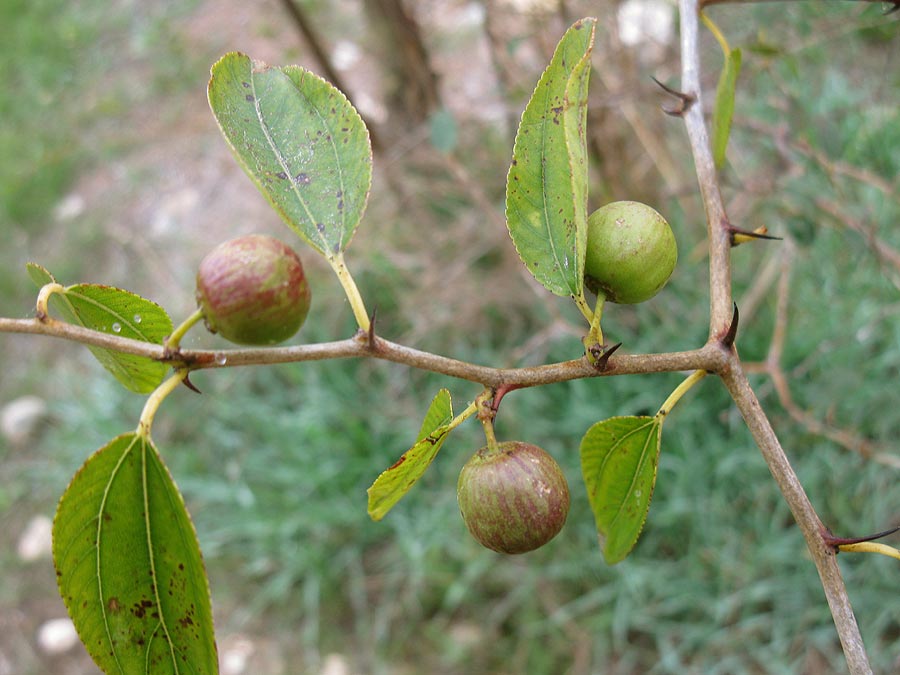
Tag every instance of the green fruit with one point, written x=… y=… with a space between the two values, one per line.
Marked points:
x=513 y=499
x=631 y=252
x=252 y=290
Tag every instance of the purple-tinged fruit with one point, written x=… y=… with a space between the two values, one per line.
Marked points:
x=252 y=290
x=631 y=252
x=513 y=499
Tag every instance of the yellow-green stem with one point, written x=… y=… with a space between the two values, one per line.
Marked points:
x=714 y=29
x=155 y=399
x=174 y=339
x=463 y=416
x=871 y=547
x=680 y=391
x=489 y=435
x=596 y=332
x=42 y=307
x=350 y=288
x=584 y=307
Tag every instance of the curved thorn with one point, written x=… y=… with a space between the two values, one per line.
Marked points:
x=499 y=393
x=190 y=385
x=685 y=100
x=834 y=542
x=731 y=334
x=604 y=358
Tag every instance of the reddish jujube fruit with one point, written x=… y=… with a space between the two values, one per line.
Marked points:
x=514 y=498
x=253 y=291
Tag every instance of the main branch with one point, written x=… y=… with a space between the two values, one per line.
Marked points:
x=364 y=345
x=733 y=375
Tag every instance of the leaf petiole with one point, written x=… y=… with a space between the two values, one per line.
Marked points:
x=42 y=308
x=870 y=547
x=680 y=391
x=155 y=400
x=351 y=289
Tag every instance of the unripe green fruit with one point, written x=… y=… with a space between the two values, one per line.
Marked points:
x=631 y=252
x=252 y=290
x=513 y=499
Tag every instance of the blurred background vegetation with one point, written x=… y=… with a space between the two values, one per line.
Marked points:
x=112 y=171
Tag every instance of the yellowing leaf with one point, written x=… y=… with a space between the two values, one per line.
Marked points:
x=390 y=487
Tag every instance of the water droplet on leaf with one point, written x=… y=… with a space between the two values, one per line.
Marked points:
x=117 y=327
x=137 y=318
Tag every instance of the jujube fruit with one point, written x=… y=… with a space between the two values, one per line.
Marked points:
x=631 y=252
x=514 y=498
x=252 y=290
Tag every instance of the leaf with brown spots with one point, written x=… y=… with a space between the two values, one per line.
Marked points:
x=546 y=188
x=301 y=142
x=129 y=567
x=390 y=487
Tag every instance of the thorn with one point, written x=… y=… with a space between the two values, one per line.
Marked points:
x=685 y=101
x=740 y=236
x=370 y=336
x=499 y=393
x=731 y=333
x=190 y=385
x=835 y=542
x=603 y=357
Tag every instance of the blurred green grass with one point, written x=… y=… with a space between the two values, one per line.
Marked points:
x=274 y=462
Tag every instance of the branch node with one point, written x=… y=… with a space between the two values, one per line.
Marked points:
x=685 y=101
x=499 y=393
x=599 y=355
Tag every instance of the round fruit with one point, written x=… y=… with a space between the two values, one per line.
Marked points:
x=513 y=499
x=252 y=290
x=631 y=252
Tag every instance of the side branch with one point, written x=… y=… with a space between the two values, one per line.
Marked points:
x=710 y=357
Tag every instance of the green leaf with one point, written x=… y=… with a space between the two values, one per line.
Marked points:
x=301 y=142
x=39 y=274
x=618 y=460
x=118 y=312
x=724 y=107
x=390 y=487
x=129 y=567
x=546 y=188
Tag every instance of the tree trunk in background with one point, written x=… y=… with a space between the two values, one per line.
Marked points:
x=413 y=92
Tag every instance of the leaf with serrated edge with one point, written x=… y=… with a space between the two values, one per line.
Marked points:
x=129 y=567
x=390 y=487
x=619 y=457
x=724 y=106
x=118 y=312
x=301 y=142
x=546 y=188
